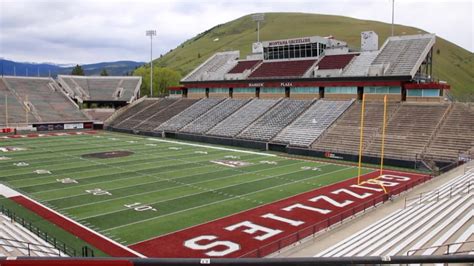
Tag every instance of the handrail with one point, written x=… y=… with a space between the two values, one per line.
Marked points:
x=57 y=244
x=29 y=247
x=436 y=192
x=413 y=251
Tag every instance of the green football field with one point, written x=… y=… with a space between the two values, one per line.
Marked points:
x=161 y=187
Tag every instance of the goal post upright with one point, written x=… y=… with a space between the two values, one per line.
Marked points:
x=383 y=132
x=361 y=138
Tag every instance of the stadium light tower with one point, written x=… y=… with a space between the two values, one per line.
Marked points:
x=258 y=18
x=151 y=33
x=393 y=14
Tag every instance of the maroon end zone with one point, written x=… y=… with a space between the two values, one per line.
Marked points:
x=266 y=229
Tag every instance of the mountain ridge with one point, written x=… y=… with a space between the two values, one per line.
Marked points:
x=452 y=63
x=116 y=68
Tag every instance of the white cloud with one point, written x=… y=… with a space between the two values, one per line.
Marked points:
x=89 y=31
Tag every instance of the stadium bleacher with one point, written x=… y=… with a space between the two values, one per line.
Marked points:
x=208 y=120
x=129 y=111
x=344 y=135
x=403 y=55
x=407 y=135
x=273 y=121
x=339 y=61
x=244 y=65
x=158 y=118
x=16 y=240
x=312 y=123
x=425 y=227
x=144 y=114
x=101 y=88
x=360 y=65
x=47 y=102
x=16 y=110
x=188 y=115
x=455 y=135
x=215 y=67
x=242 y=118
x=287 y=68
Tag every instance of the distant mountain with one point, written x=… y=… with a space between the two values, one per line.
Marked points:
x=11 y=68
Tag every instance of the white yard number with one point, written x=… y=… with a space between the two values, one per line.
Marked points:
x=98 y=192
x=139 y=207
x=67 y=181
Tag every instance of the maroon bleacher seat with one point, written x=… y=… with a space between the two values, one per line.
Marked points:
x=339 y=61
x=294 y=68
x=244 y=65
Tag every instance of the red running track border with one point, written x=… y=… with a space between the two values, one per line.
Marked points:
x=108 y=246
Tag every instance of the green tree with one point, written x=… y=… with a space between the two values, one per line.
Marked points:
x=104 y=72
x=163 y=78
x=77 y=71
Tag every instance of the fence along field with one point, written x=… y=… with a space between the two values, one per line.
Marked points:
x=133 y=189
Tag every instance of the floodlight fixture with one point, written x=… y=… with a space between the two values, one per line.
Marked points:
x=259 y=17
x=151 y=33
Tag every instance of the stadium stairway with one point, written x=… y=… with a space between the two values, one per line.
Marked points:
x=312 y=123
x=188 y=115
x=275 y=120
x=215 y=115
x=455 y=135
x=242 y=118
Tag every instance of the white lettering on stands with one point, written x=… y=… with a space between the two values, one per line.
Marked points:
x=331 y=201
x=193 y=244
x=282 y=219
x=255 y=84
x=286 y=84
x=305 y=207
x=253 y=228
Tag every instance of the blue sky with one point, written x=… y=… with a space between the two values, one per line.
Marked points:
x=83 y=31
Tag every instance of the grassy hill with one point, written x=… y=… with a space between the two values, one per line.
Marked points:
x=451 y=62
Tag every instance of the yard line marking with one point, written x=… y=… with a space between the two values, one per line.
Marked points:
x=212 y=147
x=166 y=157
x=177 y=187
x=212 y=203
x=205 y=190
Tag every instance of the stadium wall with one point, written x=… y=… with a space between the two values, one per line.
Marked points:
x=218 y=140
x=261 y=145
x=304 y=96
x=243 y=95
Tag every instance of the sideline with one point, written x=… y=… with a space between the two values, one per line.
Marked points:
x=212 y=147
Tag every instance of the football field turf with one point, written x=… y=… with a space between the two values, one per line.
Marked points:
x=160 y=187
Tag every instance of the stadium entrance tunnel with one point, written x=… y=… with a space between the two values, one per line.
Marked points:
x=107 y=154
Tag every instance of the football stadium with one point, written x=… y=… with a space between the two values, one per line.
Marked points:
x=305 y=151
